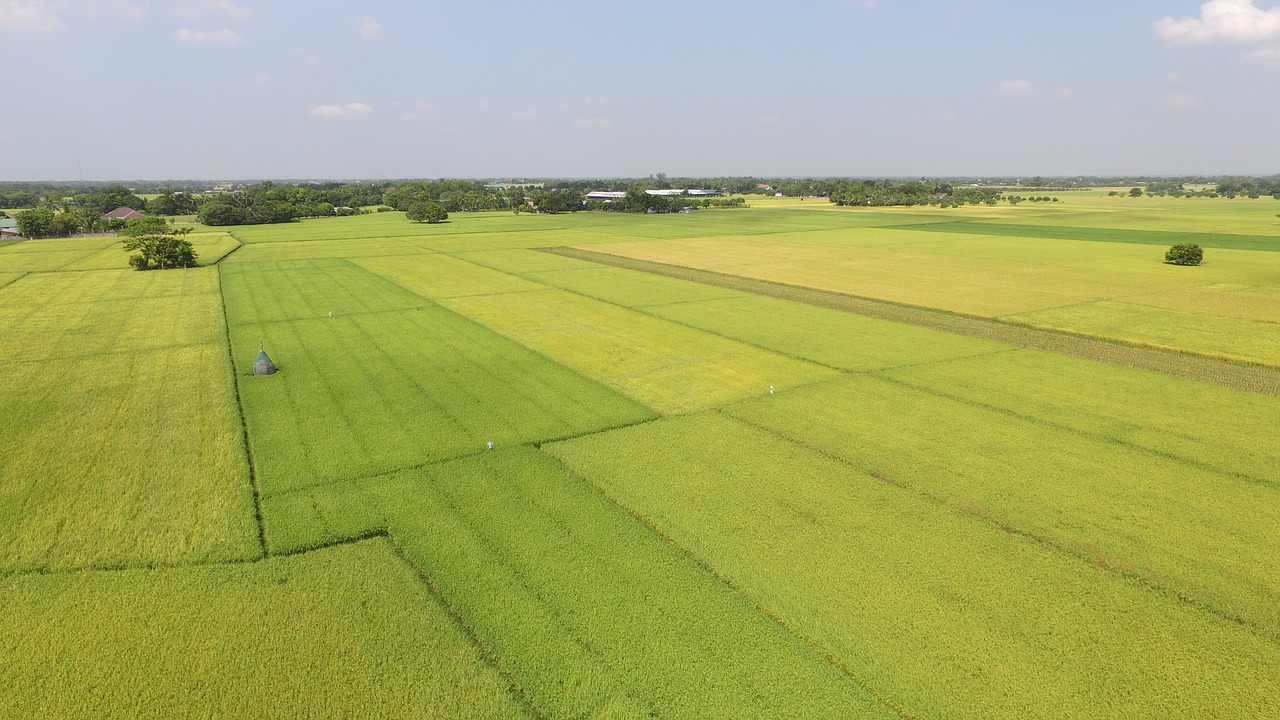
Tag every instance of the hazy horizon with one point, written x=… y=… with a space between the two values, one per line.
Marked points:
x=217 y=90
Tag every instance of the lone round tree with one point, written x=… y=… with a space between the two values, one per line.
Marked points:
x=427 y=211
x=1184 y=254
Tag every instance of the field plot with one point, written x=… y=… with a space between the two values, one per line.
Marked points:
x=122 y=445
x=49 y=255
x=1193 y=422
x=922 y=520
x=1201 y=534
x=1052 y=283
x=943 y=613
x=343 y=632
x=210 y=247
x=1243 y=339
x=437 y=276
x=828 y=337
x=1181 y=215
x=1131 y=236
x=390 y=381
x=666 y=366
x=590 y=613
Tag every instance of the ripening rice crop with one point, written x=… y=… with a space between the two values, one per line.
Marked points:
x=588 y=611
x=943 y=613
x=122 y=444
x=669 y=367
x=390 y=380
x=341 y=632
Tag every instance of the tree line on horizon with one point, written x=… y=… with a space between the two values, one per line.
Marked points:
x=61 y=209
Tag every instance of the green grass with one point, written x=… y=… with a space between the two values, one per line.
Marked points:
x=122 y=445
x=591 y=614
x=343 y=632
x=389 y=381
x=944 y=613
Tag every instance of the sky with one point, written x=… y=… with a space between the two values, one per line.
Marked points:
x=256 y=89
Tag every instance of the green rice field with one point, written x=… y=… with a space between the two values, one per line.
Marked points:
x=788 y=461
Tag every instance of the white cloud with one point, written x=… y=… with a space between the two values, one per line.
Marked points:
x=1180 y=101
x=349 y=110
x=583 y=121
x=1026 y=88
x=768 y=120
x=526 y=114
x=113 y=9
x=28 y=16
x=1173 y=78
x=1221 y=21
x=370 y=29
x=305 y=56
x=1266 y=56
x=197 y=9
x=202 y=37
x=1016 y=87
x=419 y=111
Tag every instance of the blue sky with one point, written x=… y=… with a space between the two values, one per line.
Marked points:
x=247 y=89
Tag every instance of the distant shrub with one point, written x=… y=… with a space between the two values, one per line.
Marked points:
x=1184 y=254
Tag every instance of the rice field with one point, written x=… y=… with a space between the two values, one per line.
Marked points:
x=890 y=463
x=122 y=442
x=341 y=632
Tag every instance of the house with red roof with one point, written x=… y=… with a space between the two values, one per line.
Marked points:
x=123 y=213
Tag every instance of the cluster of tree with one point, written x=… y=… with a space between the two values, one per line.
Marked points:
x=556 y=200
x=272 y=203
x=43 y=222
x=1184 y=254
x=885 y=193
x=457 y=195
x=169 y=202
x=639 y=201
x=1015 y=199
x=158 y=246
x=428 y=211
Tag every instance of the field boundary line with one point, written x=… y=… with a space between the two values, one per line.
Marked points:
x=383 y=474
x=1179 y=459
x=229 y=253
x=487 y=654
x=1250 y=377
x=990 y=519
x=1116 y=236
x=817 y=648
x=244 y=423
x=13 y=280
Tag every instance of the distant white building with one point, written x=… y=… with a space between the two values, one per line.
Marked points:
x=691 y=192
x=605 y=195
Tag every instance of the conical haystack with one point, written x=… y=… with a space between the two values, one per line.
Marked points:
x=262 y=365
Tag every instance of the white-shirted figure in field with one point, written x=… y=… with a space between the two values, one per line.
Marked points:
x=770 y=389
x=490 y=444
